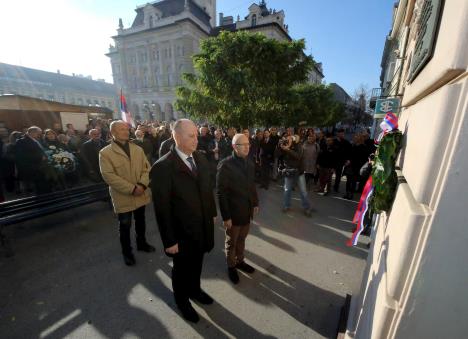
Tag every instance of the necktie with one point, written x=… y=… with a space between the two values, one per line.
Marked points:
x=192 y=165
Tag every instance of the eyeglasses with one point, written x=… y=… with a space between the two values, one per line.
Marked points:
x=247 y=144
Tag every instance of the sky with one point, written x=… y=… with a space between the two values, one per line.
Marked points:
x=346 y=36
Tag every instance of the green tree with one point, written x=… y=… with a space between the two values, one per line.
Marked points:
x=244 y=79
x=313 y=105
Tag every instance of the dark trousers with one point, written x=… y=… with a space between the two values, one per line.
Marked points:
x=338 y=174
x=265 y=173
x=351 y=179
x=310 y=178
x=125 y=223
x=186 y=274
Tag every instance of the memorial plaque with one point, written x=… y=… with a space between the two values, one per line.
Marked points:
x=426 y=35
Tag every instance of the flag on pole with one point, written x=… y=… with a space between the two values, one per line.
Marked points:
x=126 y=115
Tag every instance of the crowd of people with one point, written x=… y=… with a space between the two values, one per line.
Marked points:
x=37 y=161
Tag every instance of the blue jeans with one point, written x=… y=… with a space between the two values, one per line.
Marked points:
x=288 y=186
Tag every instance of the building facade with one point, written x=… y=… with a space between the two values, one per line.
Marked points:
x=74 y=90
x=414 y=285
x=149 y=58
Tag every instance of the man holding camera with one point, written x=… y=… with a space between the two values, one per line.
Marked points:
x=293 y=172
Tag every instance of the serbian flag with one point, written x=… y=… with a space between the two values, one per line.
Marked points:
x=361 y=211
x=126 y=115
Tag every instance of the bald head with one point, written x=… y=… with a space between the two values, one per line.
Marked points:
x=241 y=145
x=120 y=131
x=185 y=135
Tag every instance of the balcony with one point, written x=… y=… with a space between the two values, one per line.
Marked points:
x=376 y=94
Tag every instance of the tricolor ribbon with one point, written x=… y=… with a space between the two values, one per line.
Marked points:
x=361 y=212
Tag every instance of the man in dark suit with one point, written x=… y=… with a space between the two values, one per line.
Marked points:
x=238 y=201
x=31 y=160
x=185 y=211
x=267 y=158
x=90 y=154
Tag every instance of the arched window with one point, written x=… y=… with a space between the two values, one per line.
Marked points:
x=254 y=20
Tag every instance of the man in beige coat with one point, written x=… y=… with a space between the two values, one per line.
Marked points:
x=125 y=169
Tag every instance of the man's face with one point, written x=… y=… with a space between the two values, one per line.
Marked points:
x=311 y=138
x=218 y=134
x=187 y=137
x=340 y=135
x=95 y=134
x=121 y=132
x=203 y=131
x=246 y=133
x=36 y=135
x=273 y=131
x=266 y=134
x=231 y=132
x=242 y=146
x=139 y=134
x=57 y=126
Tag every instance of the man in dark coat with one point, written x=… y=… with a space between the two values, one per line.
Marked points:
x=267 y=158
x=90 y=154
x=31 y=160
x=185 y=212
x=238 y=201
x=342 y=153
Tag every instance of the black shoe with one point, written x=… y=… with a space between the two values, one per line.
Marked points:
x=129 y=259
x=146 y=248
x=233 y=276
x=203 y=298
x=244 y=267
x=188 y=312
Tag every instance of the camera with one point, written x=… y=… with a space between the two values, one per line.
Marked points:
x=284 y=142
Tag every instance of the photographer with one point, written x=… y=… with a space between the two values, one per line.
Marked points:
x=293 y=171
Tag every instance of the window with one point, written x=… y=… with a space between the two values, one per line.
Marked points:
x=151 y=21
x=254 y=20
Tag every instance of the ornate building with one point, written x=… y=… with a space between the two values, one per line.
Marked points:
x=149 y=57
x=75 y=90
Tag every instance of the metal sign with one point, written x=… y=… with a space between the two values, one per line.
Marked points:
x=426 y=36
x=383 y=106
